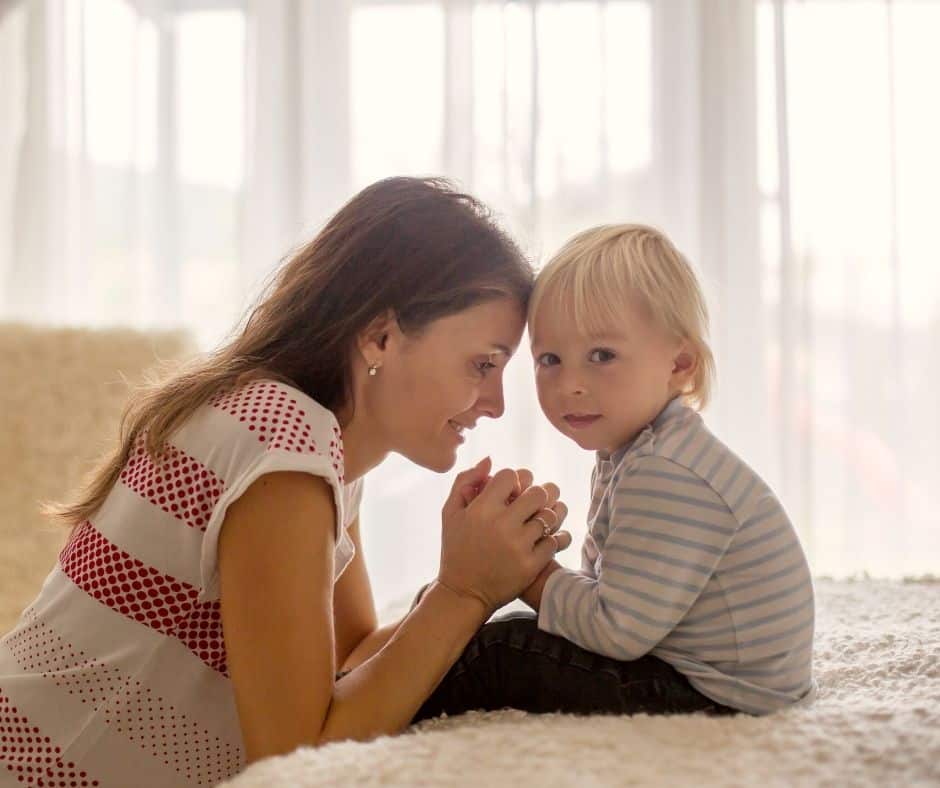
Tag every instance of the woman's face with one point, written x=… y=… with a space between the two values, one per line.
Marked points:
x=432 y=387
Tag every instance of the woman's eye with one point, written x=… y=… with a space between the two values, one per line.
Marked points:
x=548 y=360
x=485 y=366
x=601 y=355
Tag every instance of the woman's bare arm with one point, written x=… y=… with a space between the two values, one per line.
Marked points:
x=354 y=616
x=276 y=564
x=370 y=645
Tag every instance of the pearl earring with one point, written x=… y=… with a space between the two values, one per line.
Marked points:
x=373 y=369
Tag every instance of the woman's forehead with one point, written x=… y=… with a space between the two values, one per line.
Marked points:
x=494 y=327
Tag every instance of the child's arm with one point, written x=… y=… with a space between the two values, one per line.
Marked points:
x=664 y=545
x=532 y=596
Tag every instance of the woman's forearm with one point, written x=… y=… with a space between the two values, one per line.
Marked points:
x=383 y=693
x=370 y=645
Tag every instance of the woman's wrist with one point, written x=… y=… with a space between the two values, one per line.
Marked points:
x=474 y=605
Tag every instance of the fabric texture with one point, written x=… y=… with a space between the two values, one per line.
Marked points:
x=117 y=671
x=691 y=558
x=875 y=722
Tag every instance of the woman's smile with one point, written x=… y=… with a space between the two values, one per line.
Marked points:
x=458 y=430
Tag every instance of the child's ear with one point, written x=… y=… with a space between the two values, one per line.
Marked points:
x=684 y=364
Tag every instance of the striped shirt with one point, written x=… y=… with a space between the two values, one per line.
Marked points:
x=117 y=675
x=691 y=558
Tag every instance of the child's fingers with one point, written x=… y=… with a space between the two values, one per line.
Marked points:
x=545 y=549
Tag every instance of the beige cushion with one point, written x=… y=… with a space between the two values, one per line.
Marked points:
x=62 y=392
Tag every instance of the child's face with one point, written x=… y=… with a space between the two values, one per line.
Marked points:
x=602 y=390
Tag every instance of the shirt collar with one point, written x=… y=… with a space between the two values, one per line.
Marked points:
x=645 y=437
x=674 y=408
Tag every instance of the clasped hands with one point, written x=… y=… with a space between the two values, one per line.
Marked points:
x=500 y=535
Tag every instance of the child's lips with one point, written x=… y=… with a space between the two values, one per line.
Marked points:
x=579 y=421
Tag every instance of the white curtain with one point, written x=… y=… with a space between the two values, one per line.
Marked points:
x=158 y=158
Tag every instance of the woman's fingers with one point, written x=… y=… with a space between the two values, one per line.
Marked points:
x=471 y=491
x=464 y=483
x=498 y=490
x=541 y=524
x=561 y=509
x=524 y=475
x=562 y=540
x=552 y=491
x=527 y=504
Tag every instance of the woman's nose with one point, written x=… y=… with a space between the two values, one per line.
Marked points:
x=491 y=402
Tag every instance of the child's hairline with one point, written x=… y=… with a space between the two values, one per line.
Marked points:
x=579 y=255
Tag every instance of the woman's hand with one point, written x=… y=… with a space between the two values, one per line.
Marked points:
x=525 y=478
x=491 y=547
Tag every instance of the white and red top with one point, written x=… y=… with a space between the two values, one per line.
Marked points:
x=116 y=674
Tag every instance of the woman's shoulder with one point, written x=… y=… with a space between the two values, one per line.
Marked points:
x=262 y=418
x=264 y=396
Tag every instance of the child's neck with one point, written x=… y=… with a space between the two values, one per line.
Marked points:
x=654 y=422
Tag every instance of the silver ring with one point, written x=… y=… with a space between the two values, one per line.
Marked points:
x=546 y=528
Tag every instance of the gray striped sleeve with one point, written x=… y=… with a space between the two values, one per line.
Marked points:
x=662 y=549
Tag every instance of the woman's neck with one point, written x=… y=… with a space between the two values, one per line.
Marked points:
x=361 y=451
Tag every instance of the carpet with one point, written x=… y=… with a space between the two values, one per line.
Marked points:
x=876 y=722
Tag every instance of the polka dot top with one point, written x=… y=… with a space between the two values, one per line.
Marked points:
x=116 y=674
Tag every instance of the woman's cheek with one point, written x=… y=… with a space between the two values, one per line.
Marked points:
x=463 y=397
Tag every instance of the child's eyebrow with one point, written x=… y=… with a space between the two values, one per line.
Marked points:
x=606 y=337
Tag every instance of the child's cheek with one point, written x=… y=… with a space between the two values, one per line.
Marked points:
x=543 y=390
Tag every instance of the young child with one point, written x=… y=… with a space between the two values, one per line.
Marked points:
x=690 y=557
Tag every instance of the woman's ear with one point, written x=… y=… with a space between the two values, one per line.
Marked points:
x=373 y=341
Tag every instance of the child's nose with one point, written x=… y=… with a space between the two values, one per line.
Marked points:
x=572 y=383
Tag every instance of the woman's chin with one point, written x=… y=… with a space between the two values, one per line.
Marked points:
x=438 y=459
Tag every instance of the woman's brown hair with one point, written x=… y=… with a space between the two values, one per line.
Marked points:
x=417 y=248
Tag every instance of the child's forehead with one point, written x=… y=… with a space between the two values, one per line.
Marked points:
x=554 y=325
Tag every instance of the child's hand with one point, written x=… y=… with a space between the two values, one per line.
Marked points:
x=532 y=596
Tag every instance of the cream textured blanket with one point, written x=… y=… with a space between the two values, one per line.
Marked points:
x=876 y=722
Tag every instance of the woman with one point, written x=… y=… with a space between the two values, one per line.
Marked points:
x=214 y=581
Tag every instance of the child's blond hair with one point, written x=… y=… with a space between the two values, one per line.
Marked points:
x=601 y=268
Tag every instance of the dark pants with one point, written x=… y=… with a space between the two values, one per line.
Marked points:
x=511 y=663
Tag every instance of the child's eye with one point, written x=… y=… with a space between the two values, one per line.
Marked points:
x=484 y=366
x=547 y=360
x=601 y=354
